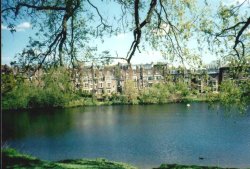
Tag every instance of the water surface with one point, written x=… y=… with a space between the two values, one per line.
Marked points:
x=144 y=136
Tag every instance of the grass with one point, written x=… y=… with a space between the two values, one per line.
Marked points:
x=11 y=159
x=176 y=166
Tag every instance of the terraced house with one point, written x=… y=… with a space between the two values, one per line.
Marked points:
x=108 y=80
x=101 y=80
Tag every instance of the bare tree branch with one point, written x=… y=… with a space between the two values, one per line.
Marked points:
x=138 y=25
x=247 y=23
x=100 y=16
x=20 y=5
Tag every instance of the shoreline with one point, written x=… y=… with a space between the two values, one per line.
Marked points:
x=11 y=158
x=84 y=103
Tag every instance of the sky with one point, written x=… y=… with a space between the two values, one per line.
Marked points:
x=14 y=43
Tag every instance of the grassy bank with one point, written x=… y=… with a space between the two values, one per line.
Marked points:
x=176 y=166
x=11 y=159
x=91 y=102
x=87 y=101
x=58 y=92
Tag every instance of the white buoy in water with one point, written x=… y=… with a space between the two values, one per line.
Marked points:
x=188 y=105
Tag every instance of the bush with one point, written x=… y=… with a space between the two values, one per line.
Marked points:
x=182 y=89
x=130 y=92
x=56 y=91
x=119 y=99
x=158 y=93
x=17 y=98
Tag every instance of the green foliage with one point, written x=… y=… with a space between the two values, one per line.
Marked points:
x=55 y=91
x=176 y=166
x=17 y=98
x=234 y=95
x=158 y=93
x=7 y=83
x=50 y=97
x=83 y=93
x=230 y=93
x=164 y=93
x=131 y=92
x=182 y=88
x=221 y=27
x=118 y=99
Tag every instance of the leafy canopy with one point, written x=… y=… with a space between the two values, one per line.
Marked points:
x=65 y=28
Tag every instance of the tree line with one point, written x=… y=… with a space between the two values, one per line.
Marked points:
x=56 y=88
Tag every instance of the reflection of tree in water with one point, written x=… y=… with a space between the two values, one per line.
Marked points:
x=36 y=123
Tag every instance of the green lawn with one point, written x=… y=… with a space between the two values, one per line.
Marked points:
x=11 y=159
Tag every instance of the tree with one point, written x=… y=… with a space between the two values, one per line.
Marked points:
x=65 y=27
x=158 y=93
x=7 y=80
x=130 y=91
x=228 y=31
x=233 y=95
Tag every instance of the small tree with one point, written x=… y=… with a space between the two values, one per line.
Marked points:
x=131 y=92
x=234 y=95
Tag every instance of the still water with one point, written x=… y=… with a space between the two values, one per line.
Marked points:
x=144 y=136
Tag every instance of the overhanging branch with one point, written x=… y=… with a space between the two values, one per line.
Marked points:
x=138 y=25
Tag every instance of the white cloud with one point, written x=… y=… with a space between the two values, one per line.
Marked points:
x=4 y=27
x=20 y=27
x=23 y=26
x=122 y=36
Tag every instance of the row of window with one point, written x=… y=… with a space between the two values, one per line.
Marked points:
x=100 y=85
x=100 y=91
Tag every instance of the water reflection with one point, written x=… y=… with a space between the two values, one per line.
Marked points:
x=145 y=136
x=17 y=125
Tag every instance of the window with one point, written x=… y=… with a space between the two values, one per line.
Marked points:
x=150 y=78
x=109 y=84
x=158 y=78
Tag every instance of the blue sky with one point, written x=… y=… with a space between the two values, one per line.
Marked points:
x=14 y=43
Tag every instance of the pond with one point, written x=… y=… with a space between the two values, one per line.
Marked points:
x=142 y=135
